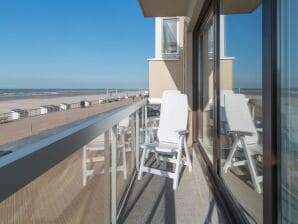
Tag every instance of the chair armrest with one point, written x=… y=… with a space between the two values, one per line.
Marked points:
x=149 y=128
x=153 y=118
x=243 y=133
x=182 y=132
x=259 y=129
x=154 y=101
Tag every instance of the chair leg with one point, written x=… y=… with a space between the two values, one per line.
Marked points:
x=177 y=170
x=84 y=165
x=251 y=167
x=188 y=161
x=228 y=162
x=140 y=175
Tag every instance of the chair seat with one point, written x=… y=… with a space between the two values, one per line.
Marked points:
x=161 y=147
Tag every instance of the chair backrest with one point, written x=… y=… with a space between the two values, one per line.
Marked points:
x=173 y=117
x=238 y=116
x=223 y=95
x=164 y=95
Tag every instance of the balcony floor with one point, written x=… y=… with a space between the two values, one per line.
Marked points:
x=153 y=200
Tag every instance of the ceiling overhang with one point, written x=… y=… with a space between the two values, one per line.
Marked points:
x=239 y=7
x=168 y=8
x=164 y=8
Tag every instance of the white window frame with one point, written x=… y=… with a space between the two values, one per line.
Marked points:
x=169 y=55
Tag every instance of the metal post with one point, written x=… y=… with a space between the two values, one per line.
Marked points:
x=84 y=165
x=107 y=191
x=137 y=139
x=133 y=138
x=143 y=124
x=113 y=133
x=146 y=115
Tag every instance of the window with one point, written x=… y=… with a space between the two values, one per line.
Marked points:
x=169 y=40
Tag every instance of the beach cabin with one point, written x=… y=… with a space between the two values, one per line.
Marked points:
x=18 y=114
x=34 y=112
x=4 y=118
x=85 y=103
x=64 y=106
x=43 y=110
x=48 y=109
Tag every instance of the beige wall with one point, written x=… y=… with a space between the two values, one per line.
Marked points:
x=173 y=74
x=167 y=74
x=178 y=74
x=164 y=75
x=226 y=72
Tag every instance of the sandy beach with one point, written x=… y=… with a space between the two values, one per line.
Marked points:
x=35 y=102
x=22 y=128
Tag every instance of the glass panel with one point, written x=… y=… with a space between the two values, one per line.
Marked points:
x=125 y=155
x=76 y=190
x=288 y=107
x=169 y=36
x=241 y=105
x=206 y=86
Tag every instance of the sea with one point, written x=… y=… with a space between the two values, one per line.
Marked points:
x=10 y=94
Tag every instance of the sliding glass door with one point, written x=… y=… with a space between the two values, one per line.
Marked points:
x=238 y=83
x=241 y=105
x=230 y=120
x=288 y=110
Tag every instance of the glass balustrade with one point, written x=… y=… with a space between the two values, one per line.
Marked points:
x=84 y=181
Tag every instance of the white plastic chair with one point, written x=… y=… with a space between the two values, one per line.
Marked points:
x=171 y=138
x=245 y=136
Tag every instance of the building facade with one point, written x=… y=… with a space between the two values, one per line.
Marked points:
x=217 y=52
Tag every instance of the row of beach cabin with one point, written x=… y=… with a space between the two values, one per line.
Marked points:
x=17 y=114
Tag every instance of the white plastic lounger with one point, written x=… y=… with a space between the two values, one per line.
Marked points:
x=245 y=136
x=171 y=138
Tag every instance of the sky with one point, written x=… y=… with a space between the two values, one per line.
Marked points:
x=243 y=40
x=101 y=44
x=74 y=44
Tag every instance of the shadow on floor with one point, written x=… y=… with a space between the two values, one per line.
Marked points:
x=157 y=194
x=153 y=200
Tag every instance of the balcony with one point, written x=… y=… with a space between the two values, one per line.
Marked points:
x=84 y=172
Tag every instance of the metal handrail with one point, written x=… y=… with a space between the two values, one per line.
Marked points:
x=32 y=156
